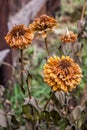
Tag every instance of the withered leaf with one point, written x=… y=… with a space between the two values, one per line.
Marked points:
x=3 y=121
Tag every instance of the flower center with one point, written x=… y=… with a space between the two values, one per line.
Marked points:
x=64 y=64
x=18 y=33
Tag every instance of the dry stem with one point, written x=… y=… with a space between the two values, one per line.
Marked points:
x=28 y=87
x=46 y=45
x=22 y=69
x=49 y=100
x=83 y=10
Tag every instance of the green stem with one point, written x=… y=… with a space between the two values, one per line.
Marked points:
x=46 y=46
x=49 y=99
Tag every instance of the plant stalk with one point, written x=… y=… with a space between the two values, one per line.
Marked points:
x=83 y=10
x=28 y=87
x=22 y=68
x=49 y=99
x=46 y=44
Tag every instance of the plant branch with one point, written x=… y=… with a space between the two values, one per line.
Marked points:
x=22 y=68
x=83 y=10
x=7 y=64
x=46 y=45
x=49 y=99
x=28 y=85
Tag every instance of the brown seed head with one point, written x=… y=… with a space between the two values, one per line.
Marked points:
x=43 y=24
x=62 y=74
x=19 y=37
x=69 y=37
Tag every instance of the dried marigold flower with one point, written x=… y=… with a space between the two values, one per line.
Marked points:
x=43 y=24
x=19 y=37
x=62 y=74
x=69 y=36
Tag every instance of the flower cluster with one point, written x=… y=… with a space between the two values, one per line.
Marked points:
x=62 y=73
x=19 y=37
x=69 y=37
x=43 y=24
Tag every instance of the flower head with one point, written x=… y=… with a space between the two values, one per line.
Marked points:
x=19 y=37
x=43 y=24
x=62 y=73
x=69 y=36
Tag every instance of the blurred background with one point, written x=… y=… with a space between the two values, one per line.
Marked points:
x=14 y=12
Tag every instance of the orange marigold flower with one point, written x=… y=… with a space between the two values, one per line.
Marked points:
x=43 y=24
x=19 y=37
x=69 y=36
x=62 y=74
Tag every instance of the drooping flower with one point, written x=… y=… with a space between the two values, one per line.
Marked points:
x=69 y=36
x=19 y=37
x=62 y=74
x=43 y=24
